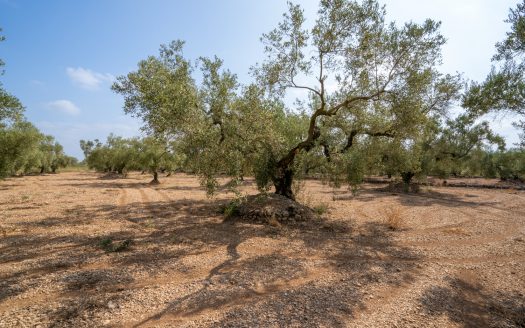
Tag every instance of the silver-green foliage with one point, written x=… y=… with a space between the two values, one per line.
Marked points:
x=363 y=79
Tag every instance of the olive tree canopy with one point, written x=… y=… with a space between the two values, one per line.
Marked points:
x=363 y=78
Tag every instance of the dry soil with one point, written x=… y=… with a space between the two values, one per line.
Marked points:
x=456 y=257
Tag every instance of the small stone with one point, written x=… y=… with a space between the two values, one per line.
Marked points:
x=112 y=305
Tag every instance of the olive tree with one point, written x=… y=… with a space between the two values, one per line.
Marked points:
x=19 y=147
x=365 y=78
x=155 y=154
x=22 y=146
x=116 y=155
x=362 y=78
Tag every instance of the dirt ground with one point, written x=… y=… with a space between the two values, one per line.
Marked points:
x=456 y=260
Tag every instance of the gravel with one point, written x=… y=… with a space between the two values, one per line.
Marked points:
x=458 y=261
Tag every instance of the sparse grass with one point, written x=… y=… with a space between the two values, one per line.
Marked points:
x=306 y=198
x=301 y=195
x=25 y=197
x=393 y=217
x=321 y=208
x=110 y=247
x=149 y=223
x=232 y=208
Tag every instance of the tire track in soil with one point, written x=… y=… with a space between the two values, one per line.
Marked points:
x=163 y=194
x=497 y=215
x=154 y=211
x=125 y=208
x=123 y=197
x=507 y=231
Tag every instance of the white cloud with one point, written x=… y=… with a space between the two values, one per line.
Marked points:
x=87 y=78
x=64 y=106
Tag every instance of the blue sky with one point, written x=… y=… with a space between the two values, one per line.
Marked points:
x=61 y=56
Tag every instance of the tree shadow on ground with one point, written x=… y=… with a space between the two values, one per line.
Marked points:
x=286 y=285
x=423 y=198
x=469 y=306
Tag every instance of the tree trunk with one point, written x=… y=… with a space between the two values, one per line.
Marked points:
x=42 y=169
x=54 y=170
x=155 y=178
x=283 y=172
x=283 y=182
x=407 y=178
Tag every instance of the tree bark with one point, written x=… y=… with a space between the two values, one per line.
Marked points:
x=283 y=173
x=283 y=182
x=407 y=177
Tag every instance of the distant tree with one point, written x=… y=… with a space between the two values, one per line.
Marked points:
x=364 y=79
x=116 y=155
x=96 y=155
x=60 y=159
x=154 y=155
x=121 y=153
x=19 y=146
x=22 y=146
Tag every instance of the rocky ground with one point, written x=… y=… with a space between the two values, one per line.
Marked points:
x=80 y=251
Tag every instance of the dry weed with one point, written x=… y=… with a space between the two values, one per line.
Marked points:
x=393 y=217
x=302 y=196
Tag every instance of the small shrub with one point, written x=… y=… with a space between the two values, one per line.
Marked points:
x=393 y=217
x=106 y=244
x=122 y=246
x=232 y=208
x=321 y=208
x=110 y=247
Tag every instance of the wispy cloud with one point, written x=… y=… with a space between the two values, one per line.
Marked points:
x=88 y=79
x=64 y=106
